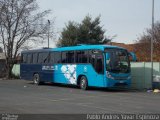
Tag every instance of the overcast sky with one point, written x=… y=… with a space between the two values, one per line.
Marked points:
x=128 y=19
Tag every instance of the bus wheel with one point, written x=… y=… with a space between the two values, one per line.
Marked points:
x=36 y=79
x=83 y=83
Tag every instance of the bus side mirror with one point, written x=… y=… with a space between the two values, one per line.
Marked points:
x=132 y=56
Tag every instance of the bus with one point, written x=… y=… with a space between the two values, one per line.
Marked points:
x=82 y=65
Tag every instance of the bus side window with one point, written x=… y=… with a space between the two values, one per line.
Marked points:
x=40 y=57
x=51 y=59
x=70 y=56
x=24 y=58
x=84 y=56
x=78 y=56
x=57 y=57
x=43 y=57
x=35 y=56
x=64 y=57
x=46 y=57
x=29 y=58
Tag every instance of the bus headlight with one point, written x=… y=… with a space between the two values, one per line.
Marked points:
x=129 y=77
x=109 y=75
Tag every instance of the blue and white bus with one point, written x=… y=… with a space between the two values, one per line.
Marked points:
x=82 y=65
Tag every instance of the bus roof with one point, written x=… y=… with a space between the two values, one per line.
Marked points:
x=78 y=47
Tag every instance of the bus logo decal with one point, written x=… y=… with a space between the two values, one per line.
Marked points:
x=69 y=72
x=47 y=67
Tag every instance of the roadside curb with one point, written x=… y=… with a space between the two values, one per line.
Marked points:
x=8 y=79
x=2 y=78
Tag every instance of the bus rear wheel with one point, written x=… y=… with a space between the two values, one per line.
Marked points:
x=36 y=79
x=83 y=83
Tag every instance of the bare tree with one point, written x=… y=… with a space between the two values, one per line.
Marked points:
x=143 y=45
x=20 y=23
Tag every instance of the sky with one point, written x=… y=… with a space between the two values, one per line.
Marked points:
x=127 y=19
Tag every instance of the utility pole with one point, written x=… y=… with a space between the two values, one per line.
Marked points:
x=48 y=31
x=152 y=41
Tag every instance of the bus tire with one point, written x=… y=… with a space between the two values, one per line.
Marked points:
x=83 y=83
x=36 y=79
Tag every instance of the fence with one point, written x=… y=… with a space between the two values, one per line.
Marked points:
x=16 y=70
x=2 y=68
x=141 y=74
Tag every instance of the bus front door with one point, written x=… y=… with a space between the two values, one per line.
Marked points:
x=97 y=75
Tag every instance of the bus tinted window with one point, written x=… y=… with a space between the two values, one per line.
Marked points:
x=78 y=57
x=46 y=57
x=35 y=56
x=51 y=60
x=40 y=58
x=57 y=57
x=84 y=56
x=24 y=58
x=43 y=57
x=70 y=56
x=81 y=56
x=29 y=58
x=64 y=57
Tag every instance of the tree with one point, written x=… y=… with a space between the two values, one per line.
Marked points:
x=90 y=31
x=20 y=24
x=69 y=35
x=143 y=45
x=1 y=50
x=87 y=32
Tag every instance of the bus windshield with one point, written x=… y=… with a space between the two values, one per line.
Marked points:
x=117 y=61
